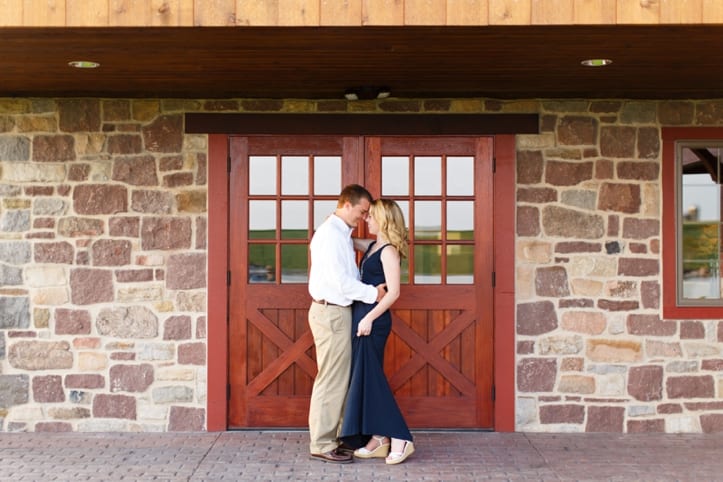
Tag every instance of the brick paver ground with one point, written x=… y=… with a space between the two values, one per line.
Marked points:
x=283 y=455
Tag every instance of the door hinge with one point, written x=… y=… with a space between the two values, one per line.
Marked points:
x=228 y=391
x=228 y=164
x=494 y=393
x=228 y=278
x=494 y=279
x=494 y=165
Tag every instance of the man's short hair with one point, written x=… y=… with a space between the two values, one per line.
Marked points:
x=354 y=193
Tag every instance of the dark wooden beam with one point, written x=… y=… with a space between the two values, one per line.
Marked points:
x=362 y=124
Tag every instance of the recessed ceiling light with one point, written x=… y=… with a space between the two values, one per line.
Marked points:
x=83 y=64
x=596 y=62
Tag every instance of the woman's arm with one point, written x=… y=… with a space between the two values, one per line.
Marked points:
x=392 y=273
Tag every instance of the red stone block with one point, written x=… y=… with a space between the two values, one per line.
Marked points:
x=131 y=378
x=72 y=322
x=192 y=354
x=186 y=419
x=646 y=426
x=691 y=387
x=48 y=389
x=114 y=406
x=645 y=383
x=605 y=419
x=85 y=381
x=569 y=413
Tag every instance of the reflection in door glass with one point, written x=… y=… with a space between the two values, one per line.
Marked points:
x=395 y=176
x=262 y=175
x=427 y=176
x=427 y=266
x=460 y=264
x=262 y=263
x=427 y=220
x=294 y=263
x=327 y=175
x=460 y=176
x=460 y=220
x=700 y=223
x=294 y=175
x=262 y=219
x=322 y=210
x=294 y=219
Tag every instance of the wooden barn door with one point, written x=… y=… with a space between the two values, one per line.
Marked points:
x=439 y=356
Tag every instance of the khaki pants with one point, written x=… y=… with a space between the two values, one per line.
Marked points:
x=331 y=327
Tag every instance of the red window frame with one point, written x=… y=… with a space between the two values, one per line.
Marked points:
x=670 y=136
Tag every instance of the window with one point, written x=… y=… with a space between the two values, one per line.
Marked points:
x=692 y=222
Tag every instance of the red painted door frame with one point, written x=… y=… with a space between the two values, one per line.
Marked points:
x=217 y=299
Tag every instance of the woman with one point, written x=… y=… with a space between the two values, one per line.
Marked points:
x=372 y=417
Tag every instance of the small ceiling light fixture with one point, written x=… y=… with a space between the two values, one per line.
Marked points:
x=83 y=64
x=596 y=62
x=367 y=92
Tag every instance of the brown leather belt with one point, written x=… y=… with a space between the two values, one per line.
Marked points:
x=324 y=302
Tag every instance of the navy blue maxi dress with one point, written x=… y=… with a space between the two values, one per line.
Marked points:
x=370 y=406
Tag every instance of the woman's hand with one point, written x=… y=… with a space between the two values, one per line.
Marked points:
x=364 y=328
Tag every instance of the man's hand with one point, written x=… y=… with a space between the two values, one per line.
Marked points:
x=381 y=291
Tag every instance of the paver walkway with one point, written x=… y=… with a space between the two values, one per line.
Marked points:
x=283 y=455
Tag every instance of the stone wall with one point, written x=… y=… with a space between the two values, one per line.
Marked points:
x=103 y=266
x=593 y=353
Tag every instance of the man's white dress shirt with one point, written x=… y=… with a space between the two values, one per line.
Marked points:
x=334 y=276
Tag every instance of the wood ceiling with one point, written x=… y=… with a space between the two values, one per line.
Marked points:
x=504 y=62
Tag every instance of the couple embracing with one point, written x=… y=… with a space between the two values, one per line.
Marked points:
x=353 y=410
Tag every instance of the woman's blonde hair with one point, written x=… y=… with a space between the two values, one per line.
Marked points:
x=390 y=218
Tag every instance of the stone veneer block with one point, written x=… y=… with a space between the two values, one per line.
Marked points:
x=48 y=389
x=40 y=355
x=186 y=271
x=114 y=406
x=72 y=322
x=89 y=286
x=569 y=413
x=712 y=423
x=646 y=383
x=186 y=419
x=131 y=378
x=536 y=318
x=690 y=387
x=95 y=199
x=536 y=374
x=14 y=312
x=13 y=390
x=605 y=419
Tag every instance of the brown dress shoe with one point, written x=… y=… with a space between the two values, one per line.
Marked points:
x=345 y=448
x=334 y=457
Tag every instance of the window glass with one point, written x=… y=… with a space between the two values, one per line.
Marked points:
x=294 y=175
x=427 y=176
x=395 y=176
x=294 y=219
x=262 y=219
x=427 y=220
x=460 y=264
x=262 y=263
x=262 y=175
x=427 y=264
x=327 y=175
x=700 y=224
x=460 y=220
x=294 y=263
x=460 y=176
x=322 y=210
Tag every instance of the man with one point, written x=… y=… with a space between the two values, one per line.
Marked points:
x=333 y=285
